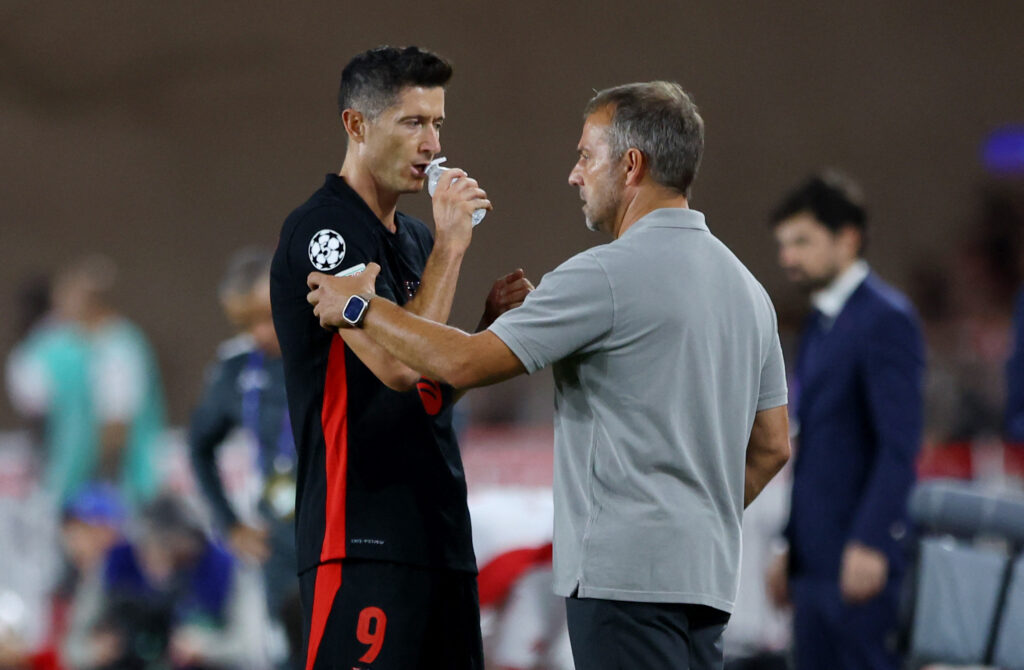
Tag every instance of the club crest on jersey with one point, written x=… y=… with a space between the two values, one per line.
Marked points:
x=326 y=250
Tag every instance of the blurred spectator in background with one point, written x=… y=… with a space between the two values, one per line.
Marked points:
x=169 y=597
x=91 y=526
x=859 y=408
x=91 y=373
x=245 y=389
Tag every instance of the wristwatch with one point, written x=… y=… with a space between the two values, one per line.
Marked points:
x=355 y=310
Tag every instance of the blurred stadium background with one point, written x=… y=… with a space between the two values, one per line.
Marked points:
x=166 y=136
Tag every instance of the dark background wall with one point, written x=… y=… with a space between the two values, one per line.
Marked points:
x=168 y=134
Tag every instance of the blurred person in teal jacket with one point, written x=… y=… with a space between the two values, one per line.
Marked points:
x=91 y=375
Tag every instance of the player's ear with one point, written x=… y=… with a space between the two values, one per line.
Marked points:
x=355 y=124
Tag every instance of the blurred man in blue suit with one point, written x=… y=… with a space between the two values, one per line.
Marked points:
x=858 y=386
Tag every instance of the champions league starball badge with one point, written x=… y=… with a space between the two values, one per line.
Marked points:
x=326 y=250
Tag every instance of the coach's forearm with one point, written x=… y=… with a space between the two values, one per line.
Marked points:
x=438 y=351
x=426 y=346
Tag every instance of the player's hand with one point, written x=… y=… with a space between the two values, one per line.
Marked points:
x=863 y=573
x=249 y=543
x=454 y=205
x=776 y=580
x=507 y=293
x=328 y=294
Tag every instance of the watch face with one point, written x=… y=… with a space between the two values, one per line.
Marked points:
x=354 y=309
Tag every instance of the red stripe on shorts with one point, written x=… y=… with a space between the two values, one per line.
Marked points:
x=328 y=581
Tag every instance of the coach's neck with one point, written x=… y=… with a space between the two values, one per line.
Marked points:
x=639 y=200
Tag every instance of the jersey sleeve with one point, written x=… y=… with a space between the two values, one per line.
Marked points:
x=330 y=239
x=571 y=311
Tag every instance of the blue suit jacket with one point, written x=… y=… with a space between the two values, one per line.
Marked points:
x=859 y=408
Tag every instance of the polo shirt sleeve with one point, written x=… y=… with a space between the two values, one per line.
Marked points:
x=773 y=391
x=570 y=312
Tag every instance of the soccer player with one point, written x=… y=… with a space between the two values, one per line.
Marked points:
x=386 y=567
x=670 y=389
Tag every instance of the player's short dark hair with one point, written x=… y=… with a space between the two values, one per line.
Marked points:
x=830 y=196
x=247 y=267
x=371 y=81
x=660 y=120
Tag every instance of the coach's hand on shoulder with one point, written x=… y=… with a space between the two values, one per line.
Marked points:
x=507 y=293
x=454 y=204
x=328 y=294
x=863 y=574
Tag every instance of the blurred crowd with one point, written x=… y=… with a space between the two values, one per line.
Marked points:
x=129 y=567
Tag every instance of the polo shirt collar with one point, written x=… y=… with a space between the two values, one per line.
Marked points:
x=670 y=217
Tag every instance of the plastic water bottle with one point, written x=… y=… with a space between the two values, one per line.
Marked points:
x=434 y=172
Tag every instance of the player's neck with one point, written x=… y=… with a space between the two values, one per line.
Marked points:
x=381 y=201
x=643 y=201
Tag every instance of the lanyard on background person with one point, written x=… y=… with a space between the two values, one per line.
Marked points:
x=283 y=459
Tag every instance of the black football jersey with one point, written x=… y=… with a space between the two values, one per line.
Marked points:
x=379 y=474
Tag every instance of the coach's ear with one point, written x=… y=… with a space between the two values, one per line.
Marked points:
x=635 y=166
x=355 y=124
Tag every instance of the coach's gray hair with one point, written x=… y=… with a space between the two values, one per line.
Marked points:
x=660 y=120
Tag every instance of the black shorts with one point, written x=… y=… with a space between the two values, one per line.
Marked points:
x=375 y=615
x=620 y=635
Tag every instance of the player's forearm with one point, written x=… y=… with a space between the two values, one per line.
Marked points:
x=436 y=292
x=389 y=370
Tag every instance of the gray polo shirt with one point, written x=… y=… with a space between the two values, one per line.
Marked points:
x=664 y=346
